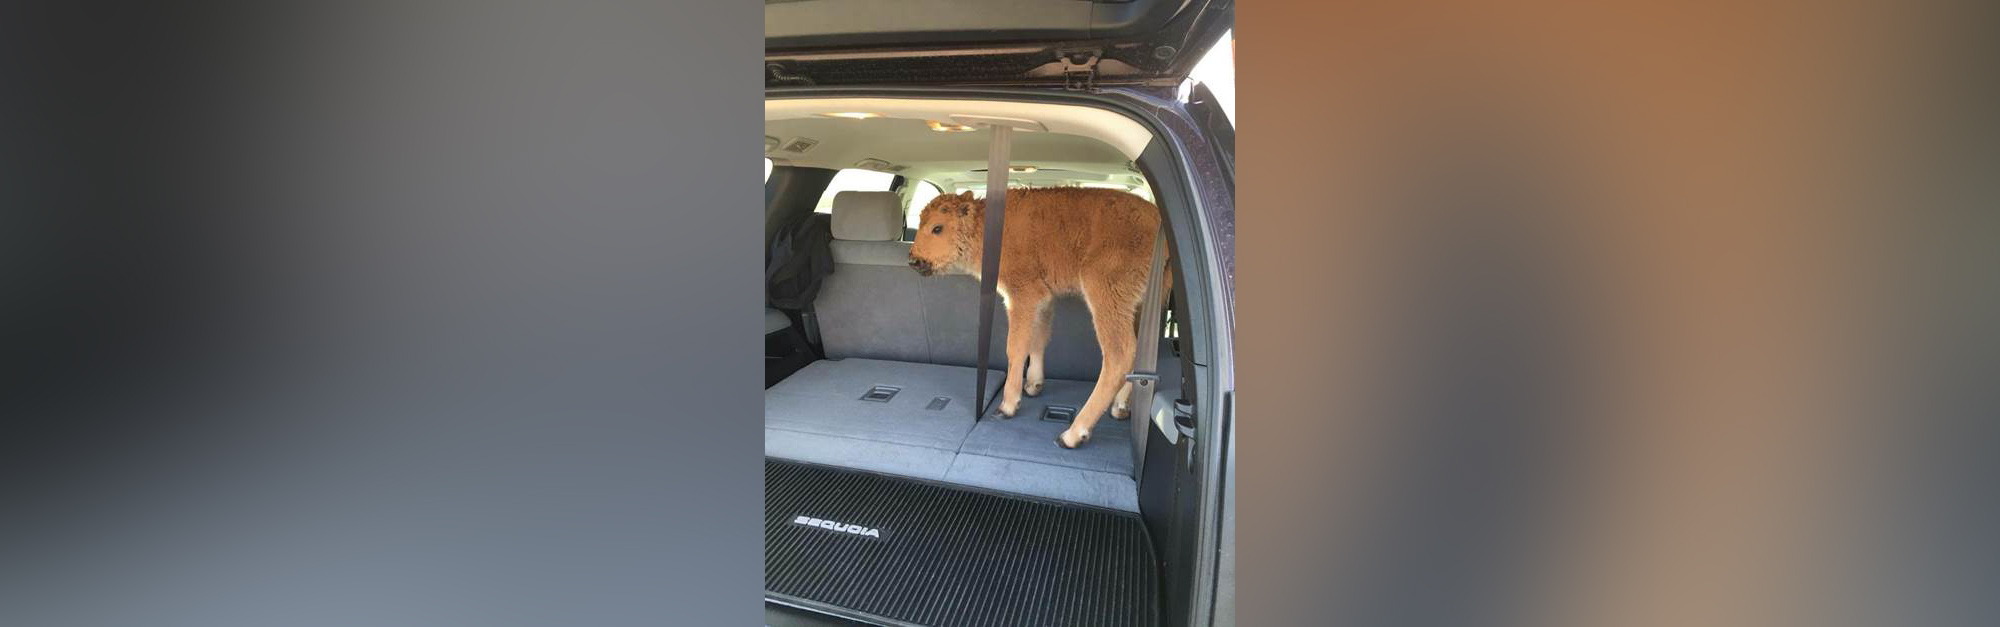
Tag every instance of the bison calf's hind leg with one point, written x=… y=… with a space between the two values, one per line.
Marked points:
x=1037 y=349
x=1023 y=322
x=1111 y=313
x=1122 y=407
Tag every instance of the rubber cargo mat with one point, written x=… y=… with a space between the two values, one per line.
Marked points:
x=920 y=553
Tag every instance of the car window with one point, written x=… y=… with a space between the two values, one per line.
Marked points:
x=920 y=197
x=979 y=189
x=1217 y=70
x=767 y=169
x=853 y=180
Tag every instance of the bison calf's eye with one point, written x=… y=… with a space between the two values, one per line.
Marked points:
x=937 y=229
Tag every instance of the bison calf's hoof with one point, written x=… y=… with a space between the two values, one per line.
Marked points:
x=1120 y=412
x=1007 y=408
x=1071 y=441
x=1033 y=388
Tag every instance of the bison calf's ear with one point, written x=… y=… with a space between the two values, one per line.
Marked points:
x=967 y=194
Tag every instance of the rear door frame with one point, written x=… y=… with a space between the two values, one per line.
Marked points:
x=1078 y=44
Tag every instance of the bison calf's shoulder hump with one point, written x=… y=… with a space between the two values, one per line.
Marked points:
x=1070 y=230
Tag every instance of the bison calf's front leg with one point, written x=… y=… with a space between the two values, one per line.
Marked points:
x=1023 y=320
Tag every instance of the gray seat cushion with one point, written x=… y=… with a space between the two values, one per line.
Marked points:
x=1028 y=438
x=826 y=398
x=818 y=416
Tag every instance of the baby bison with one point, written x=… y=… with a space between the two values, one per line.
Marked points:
x=1096 y=242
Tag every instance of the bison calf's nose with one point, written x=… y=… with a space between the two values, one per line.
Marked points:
x=922 y=267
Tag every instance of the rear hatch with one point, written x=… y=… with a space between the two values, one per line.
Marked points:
x=1073 y=43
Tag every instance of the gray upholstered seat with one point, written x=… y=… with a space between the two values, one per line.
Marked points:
x=871 y=306
x=875 y=306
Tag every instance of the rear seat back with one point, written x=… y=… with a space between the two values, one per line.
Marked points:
x=871 y=306
x=874 y=306
x=951 y=309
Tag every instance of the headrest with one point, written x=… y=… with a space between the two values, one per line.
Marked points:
x=868 y=216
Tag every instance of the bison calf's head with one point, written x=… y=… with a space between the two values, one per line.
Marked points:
x=948 y=237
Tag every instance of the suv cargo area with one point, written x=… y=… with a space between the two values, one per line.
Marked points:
x=887 y=499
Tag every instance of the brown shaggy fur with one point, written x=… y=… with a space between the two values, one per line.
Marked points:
x=1093 y=242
